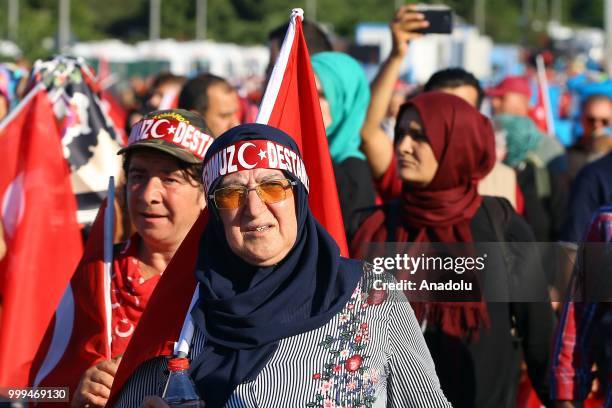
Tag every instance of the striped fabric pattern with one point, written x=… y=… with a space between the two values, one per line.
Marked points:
x=368 y=355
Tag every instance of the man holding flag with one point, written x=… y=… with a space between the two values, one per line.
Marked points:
x=162 y=163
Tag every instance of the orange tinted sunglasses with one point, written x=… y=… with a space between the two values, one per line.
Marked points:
x=270 y=192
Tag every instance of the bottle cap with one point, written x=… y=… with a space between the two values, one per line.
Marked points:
x=177 y=364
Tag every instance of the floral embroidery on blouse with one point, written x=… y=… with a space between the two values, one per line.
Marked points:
x=346 y=381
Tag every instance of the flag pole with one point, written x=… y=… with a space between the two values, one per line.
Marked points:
x=291 y=104
x=181 y=347
x=109 y=233
x=276 y=78
x=543 y=83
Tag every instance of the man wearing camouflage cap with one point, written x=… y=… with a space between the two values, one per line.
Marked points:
x=163 y=167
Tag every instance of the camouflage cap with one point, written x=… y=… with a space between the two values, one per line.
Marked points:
x=180 y=133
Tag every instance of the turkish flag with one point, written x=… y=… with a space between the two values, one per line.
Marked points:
x=76 y=338
x=38 y=213
x=160 y=324
x=538 y=113
x=291 y=103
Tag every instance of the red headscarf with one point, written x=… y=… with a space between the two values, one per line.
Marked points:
x=463 y=143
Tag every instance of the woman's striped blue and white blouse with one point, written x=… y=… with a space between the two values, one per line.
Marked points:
x=371 y=354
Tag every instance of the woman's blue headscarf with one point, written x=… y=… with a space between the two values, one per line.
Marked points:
x=245 y=310
x=348 y=93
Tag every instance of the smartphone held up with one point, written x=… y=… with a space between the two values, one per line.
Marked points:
x=440 y=18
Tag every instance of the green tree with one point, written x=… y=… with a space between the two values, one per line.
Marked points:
x=587 y=12
x=248 y=21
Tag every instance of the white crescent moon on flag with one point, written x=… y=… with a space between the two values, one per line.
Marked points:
x=126 y=333
x=241 y=160
x=154 y=128
x=13 y=205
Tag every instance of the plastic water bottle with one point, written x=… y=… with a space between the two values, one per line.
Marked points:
x=180 y=389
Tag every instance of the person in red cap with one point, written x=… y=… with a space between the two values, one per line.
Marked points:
x=543 y=174
x=511 y=96
x=163 y=167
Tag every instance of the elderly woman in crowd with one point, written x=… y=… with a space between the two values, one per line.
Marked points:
x=282 y=319
x=443 y=147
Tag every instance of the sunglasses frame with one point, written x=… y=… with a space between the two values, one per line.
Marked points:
x=291 y=184
x=604 y=121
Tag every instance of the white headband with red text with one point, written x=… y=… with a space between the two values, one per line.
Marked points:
x=254 y=154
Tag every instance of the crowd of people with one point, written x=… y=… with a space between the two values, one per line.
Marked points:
x=281 y=319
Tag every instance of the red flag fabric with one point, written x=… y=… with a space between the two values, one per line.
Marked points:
x=541 y=113
x=117 y=114
x=38 y=212
x=77 y=338
x=291 y=103
x=111 y=107
x=160 y=325
x=538 y=113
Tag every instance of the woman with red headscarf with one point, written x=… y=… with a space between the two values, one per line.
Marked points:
x=443 y=147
